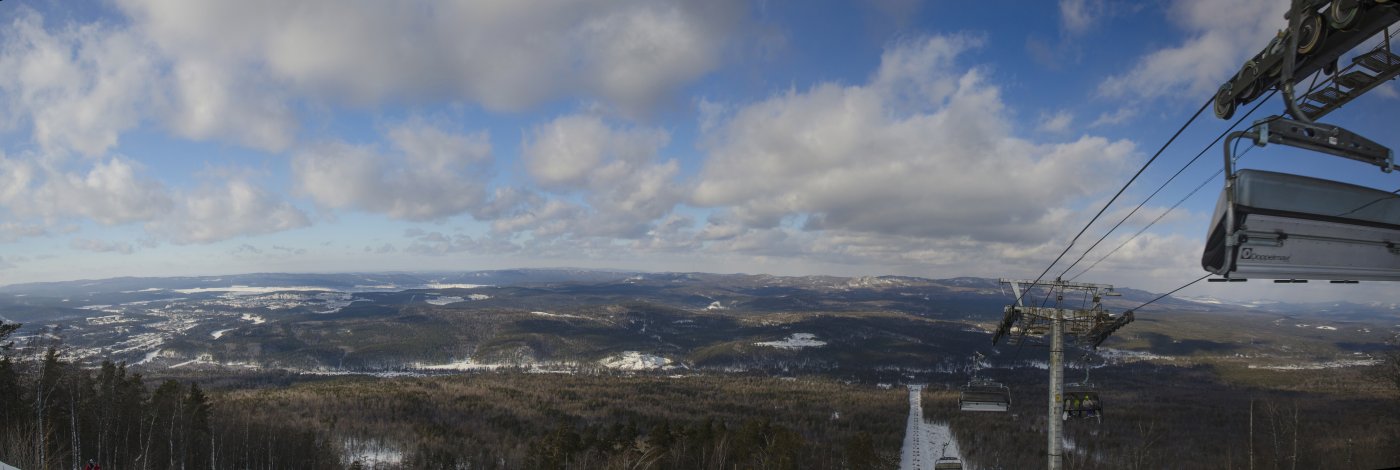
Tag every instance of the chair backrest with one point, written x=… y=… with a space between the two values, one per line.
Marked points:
x=1299 y=227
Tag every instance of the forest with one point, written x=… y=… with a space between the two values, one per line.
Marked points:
x=57 y=415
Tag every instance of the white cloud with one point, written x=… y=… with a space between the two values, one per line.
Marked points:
x=1388 y=90
x=110 y=192
x=208 y=101
x=429 y=174
x=618 y=172
x=234 y=208
x=505 y=54
x=1115 y=117
x=114 y=191
x=1056 y=123
x=13 y=231
x=98 y=246
x=78 y=87
x=1076 y=16
x=859 y=159
x=1222 y=34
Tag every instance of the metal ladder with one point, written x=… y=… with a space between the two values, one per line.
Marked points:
x=1348 y=83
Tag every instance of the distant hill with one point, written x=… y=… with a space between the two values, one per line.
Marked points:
x=588 y=318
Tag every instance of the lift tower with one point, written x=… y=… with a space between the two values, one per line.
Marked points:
x=1089 y=325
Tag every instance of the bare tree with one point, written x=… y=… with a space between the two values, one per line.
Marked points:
x=1392 y=360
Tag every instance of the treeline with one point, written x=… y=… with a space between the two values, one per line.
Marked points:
x=57 y=415
x=549 y=421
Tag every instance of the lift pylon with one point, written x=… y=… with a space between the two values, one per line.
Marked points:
x=1087 y=324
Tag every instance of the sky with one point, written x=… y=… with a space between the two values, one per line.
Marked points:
x=905 y=137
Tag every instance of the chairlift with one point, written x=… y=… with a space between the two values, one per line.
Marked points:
x=1081 y=399
x=984 y=394
x=1282 y=226
x=948 y=463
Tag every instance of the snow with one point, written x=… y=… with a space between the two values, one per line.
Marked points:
x=560 y=315
x=716 y=305
x=1325 y=327
x=1337 y=364
x=107 y=320
x=220 y=333
x=149 y=356
x=794 y=342
x=925 y=441
x=633 y=360
x=444 y=300
x=256 y=319
x=452 y=299
x=454 y=286
x=251 y=290
x=463 y=365
x=372 y=454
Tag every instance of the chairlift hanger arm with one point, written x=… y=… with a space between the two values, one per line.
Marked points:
x=1324 y=138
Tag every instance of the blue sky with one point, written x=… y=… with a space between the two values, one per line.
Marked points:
x=928 y=138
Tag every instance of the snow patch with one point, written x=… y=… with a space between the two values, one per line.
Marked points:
x=463 y=365
x=454 y=286
x=794 y=342
x=220 y=333
x=1325 y=327
x=560 y=315
x=1337 y=364
x=256 y=319
x=633 y=360
x=444 y=300
x=251 y=290
x=716 y=305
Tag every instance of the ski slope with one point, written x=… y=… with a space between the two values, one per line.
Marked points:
x=923 y=440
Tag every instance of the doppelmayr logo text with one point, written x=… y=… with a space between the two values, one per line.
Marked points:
x=1248 y=253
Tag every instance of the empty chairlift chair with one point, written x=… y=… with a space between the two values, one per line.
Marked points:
x=1298 y=227
x=984 y=395
x=948 y=463
x=1294 y=228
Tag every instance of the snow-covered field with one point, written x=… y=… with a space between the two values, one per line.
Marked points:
x=464 y=365
x=445 y=300
x=251 y=290
x=1337 y=364
x=453 y=286
x=559 y=315
x=794 y=342
x=634 y=360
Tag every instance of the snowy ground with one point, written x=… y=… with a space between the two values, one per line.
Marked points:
x=794 y=342
x=924 y=441
x=634 y=360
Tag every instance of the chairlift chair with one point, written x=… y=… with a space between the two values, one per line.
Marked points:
x=985 y=395
x=1281 y=226
x=948 y=463
x=1081 y=399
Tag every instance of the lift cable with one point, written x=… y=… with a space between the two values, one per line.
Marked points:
x=1395 y=194
x=1116 y=195
x=1164 y=214
x=1167 y=182
x=1160 y=297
